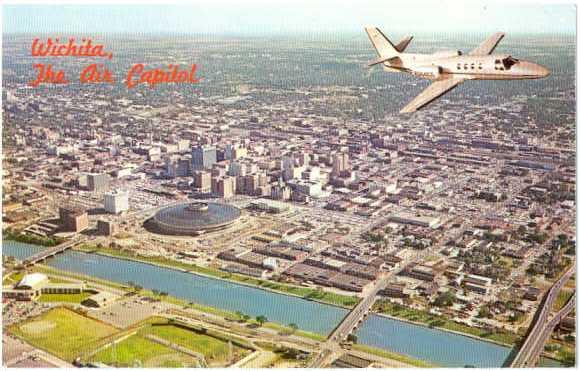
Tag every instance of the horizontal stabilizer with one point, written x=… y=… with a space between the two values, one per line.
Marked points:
x=402 y=45
x=382 y=60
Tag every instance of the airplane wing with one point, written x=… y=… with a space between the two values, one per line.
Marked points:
x=432 y=92
x=488 y=45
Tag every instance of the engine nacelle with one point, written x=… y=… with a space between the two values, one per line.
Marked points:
x=447 y=53
x=429 y=72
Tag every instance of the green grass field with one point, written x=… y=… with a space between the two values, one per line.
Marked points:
x=170 y=299
x=137 y=351
x=63 y=332
x=215 y=351
x=13 y=278
x=64 y=298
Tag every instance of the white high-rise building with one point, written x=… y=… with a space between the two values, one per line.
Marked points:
x=116 y=202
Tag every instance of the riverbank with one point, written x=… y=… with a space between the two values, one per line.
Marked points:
x=426 y=319
x=228 y=315
x=306 y=293
x=32 y=239
x=247 y=303
x=392 y=355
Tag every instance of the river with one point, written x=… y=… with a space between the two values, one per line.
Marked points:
x=431 y=345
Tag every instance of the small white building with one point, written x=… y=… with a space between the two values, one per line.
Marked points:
x=270 y=263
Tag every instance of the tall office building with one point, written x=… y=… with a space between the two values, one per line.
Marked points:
x=177 y=167
x=203 y=157
x=237 y=169
x=98 y=182
x=223 y=187
x=116 y=202
x=289 y=168
x=202 y=181
x=73 y=219
x=340 y=164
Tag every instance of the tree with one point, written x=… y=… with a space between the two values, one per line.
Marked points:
x=484 y=312
x=241 y=316
x=293 y=327
x=445 y=299
x=352 y=338
x=261 y=320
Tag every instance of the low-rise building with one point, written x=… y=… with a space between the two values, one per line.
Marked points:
x=100 y=300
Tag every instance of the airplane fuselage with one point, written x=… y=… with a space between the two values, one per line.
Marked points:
x=471 y=67
x=448 y=69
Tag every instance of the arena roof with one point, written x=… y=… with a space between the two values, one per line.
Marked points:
x=191 y=217
x=31 y=281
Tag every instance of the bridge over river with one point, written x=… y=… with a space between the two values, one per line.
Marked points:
x=52 y=251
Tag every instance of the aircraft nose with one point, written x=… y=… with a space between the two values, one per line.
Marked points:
x=543 y=71
x=539 y=70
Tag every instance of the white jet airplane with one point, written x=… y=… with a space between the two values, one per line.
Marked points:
x=448 y=69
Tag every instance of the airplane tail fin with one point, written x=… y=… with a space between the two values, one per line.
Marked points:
x=382 y=44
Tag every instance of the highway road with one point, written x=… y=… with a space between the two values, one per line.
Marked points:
x=530 y=351
x=548 y=329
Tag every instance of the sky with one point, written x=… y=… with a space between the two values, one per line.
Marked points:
x=256 y=17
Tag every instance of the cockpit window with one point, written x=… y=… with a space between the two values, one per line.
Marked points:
x=509 y=62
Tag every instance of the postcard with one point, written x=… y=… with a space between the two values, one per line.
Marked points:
x=289 y=184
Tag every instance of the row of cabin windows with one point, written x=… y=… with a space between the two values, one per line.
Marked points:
x=466 y=66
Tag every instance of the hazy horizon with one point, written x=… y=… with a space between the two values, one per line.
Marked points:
x=259 y=18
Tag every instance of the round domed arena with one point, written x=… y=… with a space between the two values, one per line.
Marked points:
x=192 y=218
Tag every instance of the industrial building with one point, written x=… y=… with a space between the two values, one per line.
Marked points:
x=269 y=206
x=421 y=221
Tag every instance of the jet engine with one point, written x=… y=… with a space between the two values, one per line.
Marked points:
x=447 y=53
x=429 y=72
